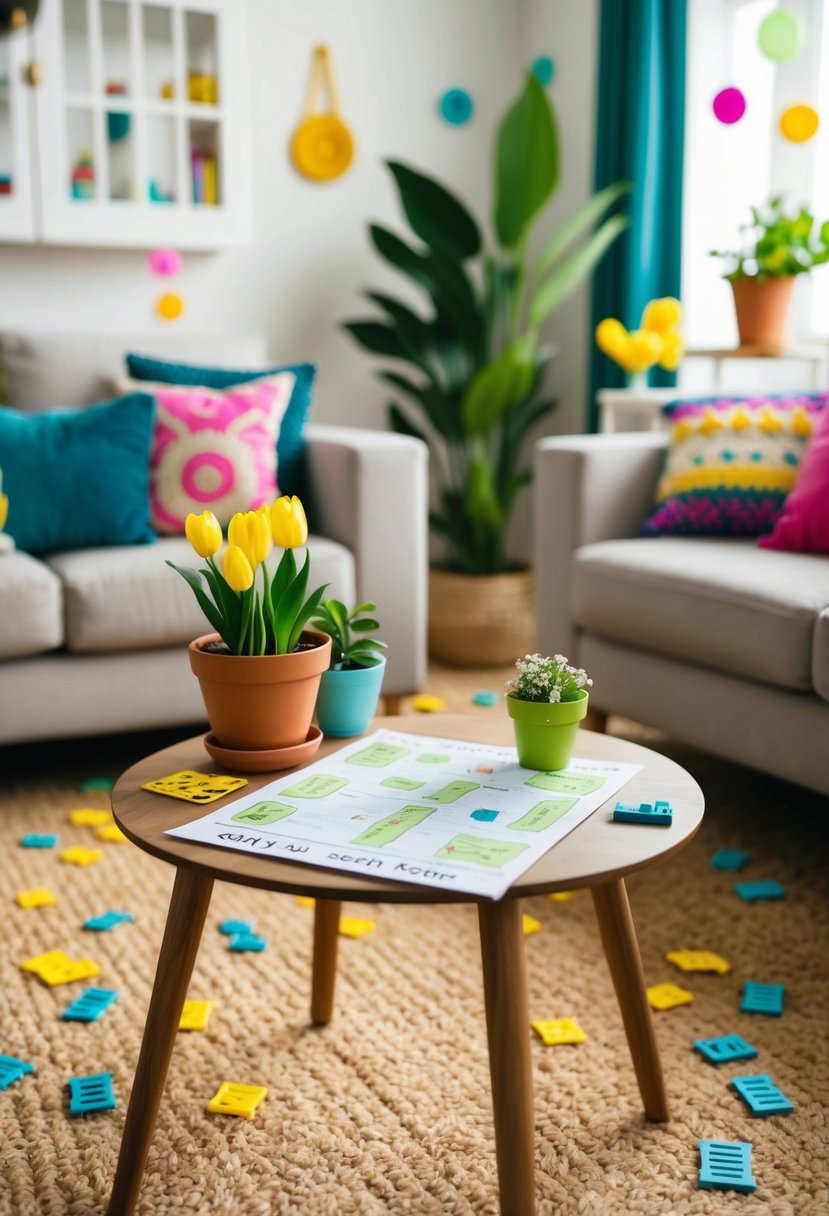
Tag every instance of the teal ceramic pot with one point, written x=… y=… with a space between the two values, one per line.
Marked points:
x=347 y=700
x=545 y=734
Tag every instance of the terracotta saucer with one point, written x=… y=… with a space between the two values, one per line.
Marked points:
x=267 y=760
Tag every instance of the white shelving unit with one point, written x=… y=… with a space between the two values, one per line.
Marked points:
x=125 y=123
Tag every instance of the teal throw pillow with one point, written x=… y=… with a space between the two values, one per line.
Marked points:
x=79 y=479
x=290 y=445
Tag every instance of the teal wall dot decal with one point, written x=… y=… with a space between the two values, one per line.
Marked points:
x=456 y=107
x=544 y=69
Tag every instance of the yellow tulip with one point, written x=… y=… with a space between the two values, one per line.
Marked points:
x=204 y=533
x=673 y=348
x=251 y=531
x=663 y=315
x=237 y=569
x=288 y=522
x=643 y=349
x=612 y=338
x=4 y=510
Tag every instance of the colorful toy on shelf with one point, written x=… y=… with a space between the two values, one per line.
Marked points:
x=6 y=186
x=118 y=121
x=83 y=177
x=203 y=165
x=657 y=340
x=201 y=88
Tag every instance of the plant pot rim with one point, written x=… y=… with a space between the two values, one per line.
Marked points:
x=376 y=661
x=198 y=645
x=536 y=711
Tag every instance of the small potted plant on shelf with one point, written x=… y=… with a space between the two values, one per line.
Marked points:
x=776 y=247
x=546 y=701
x=350 y=688
x=260 y=671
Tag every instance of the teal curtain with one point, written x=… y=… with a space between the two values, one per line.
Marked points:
x=639 y=138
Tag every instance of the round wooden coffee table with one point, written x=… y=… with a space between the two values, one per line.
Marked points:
x=596 y=854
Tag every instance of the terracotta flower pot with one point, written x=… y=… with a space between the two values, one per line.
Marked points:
x=260 y=702
x=762 y=306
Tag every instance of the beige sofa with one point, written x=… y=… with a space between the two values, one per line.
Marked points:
x=95 y=641
x=717 y=642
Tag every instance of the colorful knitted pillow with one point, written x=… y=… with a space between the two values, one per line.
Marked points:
x=804 y=525
x=214 y=450
x=731 y=462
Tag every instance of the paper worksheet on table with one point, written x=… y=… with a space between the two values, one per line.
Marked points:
x=419 y=809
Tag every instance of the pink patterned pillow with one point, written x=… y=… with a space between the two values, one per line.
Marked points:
x=804 y=524
x=214 y=450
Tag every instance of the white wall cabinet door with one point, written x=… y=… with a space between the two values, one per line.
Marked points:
x=17 y=213
x=140 y=123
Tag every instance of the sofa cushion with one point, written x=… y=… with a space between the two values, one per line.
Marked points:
x=77 y=479
x=820 y=656
x=719 y=602
x=129 y=599
x=31 y=607
x=46 y=371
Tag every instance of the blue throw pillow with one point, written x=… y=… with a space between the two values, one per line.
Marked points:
x=79 y=479
x=290 y=446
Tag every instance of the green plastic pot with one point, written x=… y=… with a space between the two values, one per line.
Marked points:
x=545 y=734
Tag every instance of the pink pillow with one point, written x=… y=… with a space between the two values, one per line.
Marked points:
x=214 y=450
x=804 y=525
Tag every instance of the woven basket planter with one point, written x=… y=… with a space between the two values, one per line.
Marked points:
x=480 y=620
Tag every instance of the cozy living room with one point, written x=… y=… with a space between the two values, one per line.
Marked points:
x=414 y=607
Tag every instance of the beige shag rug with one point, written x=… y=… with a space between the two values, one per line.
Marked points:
x=387 y=1109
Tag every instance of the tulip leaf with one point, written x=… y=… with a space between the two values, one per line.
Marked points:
x=285 y=574
x=436 y=215
x=205 y=603
x=571 y=273
x=527 y=169
x=287 y=610
x=307 y=610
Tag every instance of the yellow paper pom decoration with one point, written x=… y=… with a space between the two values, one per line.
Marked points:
x=656 y=341
x=612 y=338
x=644 y=349
x=169 y=306
x=673 y=348
x=662 y=315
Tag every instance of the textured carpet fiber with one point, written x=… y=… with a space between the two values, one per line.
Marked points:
x=387 y=1109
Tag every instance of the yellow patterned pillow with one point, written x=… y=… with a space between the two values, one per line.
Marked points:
x=731 y=462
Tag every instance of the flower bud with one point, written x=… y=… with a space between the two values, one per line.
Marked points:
x=288 y=522
x=237 y=569
x=204 y=533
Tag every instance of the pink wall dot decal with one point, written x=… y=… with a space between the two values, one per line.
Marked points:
x=164 y=262
x=729 y=106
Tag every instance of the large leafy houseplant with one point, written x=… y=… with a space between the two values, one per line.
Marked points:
x=475 y=359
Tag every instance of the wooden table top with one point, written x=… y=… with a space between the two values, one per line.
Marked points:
x=596 y=851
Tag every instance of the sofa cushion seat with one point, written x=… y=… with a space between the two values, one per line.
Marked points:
x=127 y=598
x=722 y=603
x=31 y=621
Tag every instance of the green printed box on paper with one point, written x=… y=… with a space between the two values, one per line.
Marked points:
x=480 y=852
x=389 y=828
x=431 y=758
x=453 y=791
x=543 y=815
x=378 y=755
x=263 y=812
x=317 y=786
x=401 y=783
x=566 y=783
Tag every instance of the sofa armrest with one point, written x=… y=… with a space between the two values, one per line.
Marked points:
x=587 y=488
x=370 y=493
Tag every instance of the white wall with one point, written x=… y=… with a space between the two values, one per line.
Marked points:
x=309 y=256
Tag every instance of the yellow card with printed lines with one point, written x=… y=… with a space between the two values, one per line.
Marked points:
x=195 y=787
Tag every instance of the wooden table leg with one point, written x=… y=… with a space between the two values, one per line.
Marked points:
x=182 y=934
x=324 y=975
x=622 y=952
x=510 y=1064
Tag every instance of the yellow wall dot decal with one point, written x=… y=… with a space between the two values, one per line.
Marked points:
x=169 y=306
x=799 y=123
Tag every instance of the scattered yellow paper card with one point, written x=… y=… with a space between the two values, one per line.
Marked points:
x=427 y=703
x=698 y=960
x=79 y=856
x=36 y=899
x=111 y=833
x=47 y=960
x=304 y=901
x=195 y=787
x=531 y=925
x=560 y=897
x=232 y=1099
x=668 y=996
x=355 y=926
x=195 y=1015
x=55 y=967
x=559 y=1030
x=89 y=817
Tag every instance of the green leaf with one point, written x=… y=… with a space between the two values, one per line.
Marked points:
x=442 y=409
x=584 y=218
x=287 y=610
x=480 y=500
x=205 y=603
x=365 y=625
x=401 y=424
x=527 y=168
x=377 y=337
x=307 y=610
x=571 y=273
x=436 y=216
x=368 y=606
x=497 y=388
